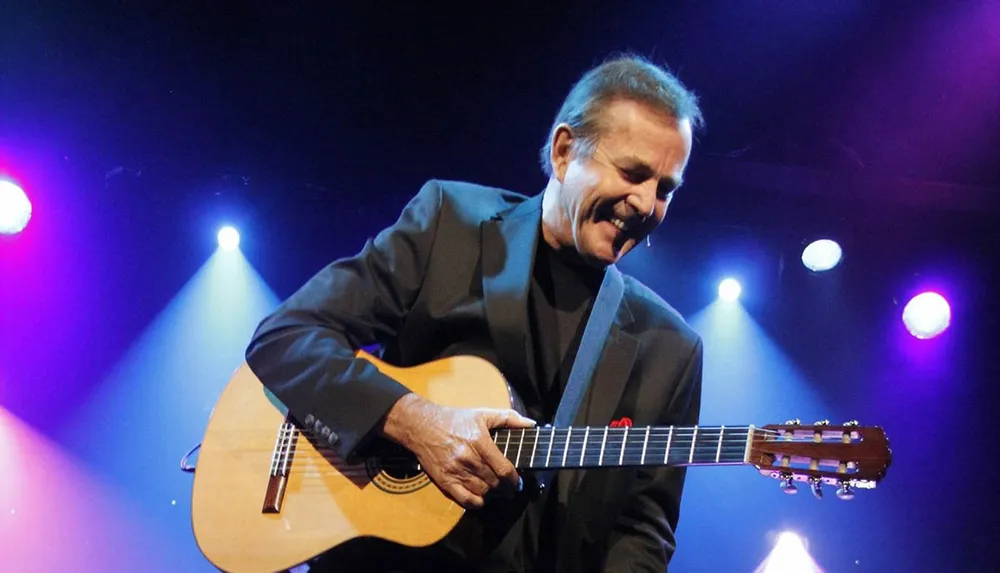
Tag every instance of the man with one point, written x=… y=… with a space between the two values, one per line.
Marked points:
x=473 y=270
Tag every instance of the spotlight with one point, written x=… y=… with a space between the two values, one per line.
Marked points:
x=789 y=555
x=729 y=290
x=15 y=209
x=821 y=255
x=229 y=239
x=927 y=315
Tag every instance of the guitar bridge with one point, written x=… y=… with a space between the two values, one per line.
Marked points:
x=281 y=461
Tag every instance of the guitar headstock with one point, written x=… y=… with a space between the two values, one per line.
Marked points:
x=848 y=456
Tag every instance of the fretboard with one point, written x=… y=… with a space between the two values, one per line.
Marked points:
x=589 y=447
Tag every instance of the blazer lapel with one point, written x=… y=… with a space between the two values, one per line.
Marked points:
x=509 y=241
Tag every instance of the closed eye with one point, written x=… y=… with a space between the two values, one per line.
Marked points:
x=634 y=176
x=639 y=174
x=666 y=187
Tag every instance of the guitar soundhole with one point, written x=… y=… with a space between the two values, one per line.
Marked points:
x=396 y=471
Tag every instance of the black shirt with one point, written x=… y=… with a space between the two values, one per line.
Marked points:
x=560 y=297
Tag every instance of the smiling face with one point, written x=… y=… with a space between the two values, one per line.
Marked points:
x=602 y=204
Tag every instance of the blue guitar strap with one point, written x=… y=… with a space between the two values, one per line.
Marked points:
x=591 y=348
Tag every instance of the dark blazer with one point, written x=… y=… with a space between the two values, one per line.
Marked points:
x=451 y=277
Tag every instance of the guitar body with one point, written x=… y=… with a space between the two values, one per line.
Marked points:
x=267 y=497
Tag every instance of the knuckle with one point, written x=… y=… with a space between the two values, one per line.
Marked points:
x=451 y=467
x=466 y=499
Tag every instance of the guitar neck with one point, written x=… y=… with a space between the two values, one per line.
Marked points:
x=592 y=447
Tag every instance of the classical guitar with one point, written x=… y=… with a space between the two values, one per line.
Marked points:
x=268 y=496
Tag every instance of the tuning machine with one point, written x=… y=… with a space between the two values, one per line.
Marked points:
x=852 y=423
x=794 y=422
x=845 y=491
x=822 y=423
x=817 y=487
x=787 y=485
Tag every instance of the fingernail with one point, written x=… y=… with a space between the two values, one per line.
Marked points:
x=520 y=483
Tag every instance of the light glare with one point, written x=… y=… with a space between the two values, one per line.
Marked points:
x=927 y=315
x=729 y=290
x=15 y=209
x=789 y=556
x=229 y=239
x=821 y=255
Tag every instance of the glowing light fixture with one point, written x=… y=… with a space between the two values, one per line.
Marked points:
x=822 y=255
x=927 y=315
x=729 y=290
x=15 y=209
x=229 y=238
x=789 y=556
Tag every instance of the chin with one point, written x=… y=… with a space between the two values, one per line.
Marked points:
x=606 y=256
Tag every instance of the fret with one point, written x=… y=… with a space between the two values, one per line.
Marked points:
x=614 y=448
x=666 y=451
x=680 y=447
x=718 y=449
x=621 y=455
x=506 y=443
x=635 y=443
x=583 y=450
x=520 y=444
x=600 y=461
x=645 y=441
x=533 y=436
x=569 y=431
x=718 y=446
x=552 y=438
x=694 y=440
x=531 y=462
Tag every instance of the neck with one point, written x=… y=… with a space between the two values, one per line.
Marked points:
x=589 y=447
x=555 y=223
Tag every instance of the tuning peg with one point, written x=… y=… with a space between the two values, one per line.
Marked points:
x=795 y=422
x=787 y=486
x=823 y=423
x=817 y=487
x=851 y=423
x=845 y=491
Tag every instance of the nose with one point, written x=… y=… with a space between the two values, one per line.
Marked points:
x=642 y=199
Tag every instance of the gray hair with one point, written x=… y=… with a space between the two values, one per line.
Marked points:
x=628 y=77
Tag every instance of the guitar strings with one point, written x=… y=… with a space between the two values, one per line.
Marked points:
x=677 y=440
x=576 y=453
x=574 y=449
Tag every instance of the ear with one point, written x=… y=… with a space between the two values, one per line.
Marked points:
x=561 y=153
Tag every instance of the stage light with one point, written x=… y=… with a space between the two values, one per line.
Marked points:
x=229 y=239
x=789 y=556
x=15 y=209
x=821 y=255
x=729 y=290
x=927 y=315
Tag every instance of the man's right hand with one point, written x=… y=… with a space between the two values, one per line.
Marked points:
x=454 y=446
